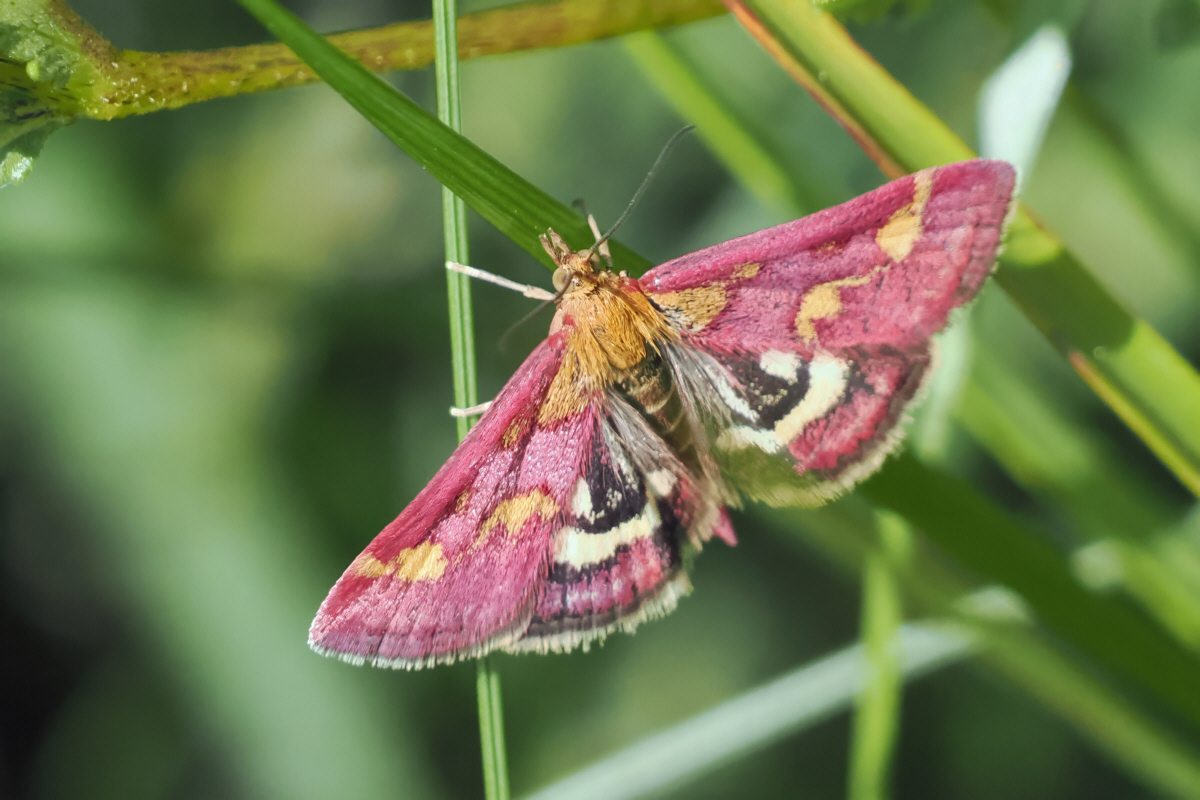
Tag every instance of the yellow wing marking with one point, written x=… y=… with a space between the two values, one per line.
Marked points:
x=700 y=305
x=901 y=232
x=824 y=301
x=746 y=271
x=425 y=562
x=513 y=433
x=514 y=512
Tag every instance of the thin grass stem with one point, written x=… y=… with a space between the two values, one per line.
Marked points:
x=877 y=708
x=462 y=349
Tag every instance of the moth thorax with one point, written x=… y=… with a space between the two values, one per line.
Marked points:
x=614 y=326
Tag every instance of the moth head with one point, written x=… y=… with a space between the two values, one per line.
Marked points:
x=575 y=269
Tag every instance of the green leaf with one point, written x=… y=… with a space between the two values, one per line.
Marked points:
x=17 y=155
x=42 y=63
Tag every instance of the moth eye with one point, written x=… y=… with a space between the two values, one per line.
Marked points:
x=559 y=279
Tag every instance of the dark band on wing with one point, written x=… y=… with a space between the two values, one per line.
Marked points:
x=612 y=496
x=770 y=396
x=584 y=598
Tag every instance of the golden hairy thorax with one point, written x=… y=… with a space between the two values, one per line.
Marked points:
x=610 y=324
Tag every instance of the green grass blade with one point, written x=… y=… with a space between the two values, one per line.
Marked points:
x=517 y=208
x=454 y=216
x=794 y=702
x=1128 y=364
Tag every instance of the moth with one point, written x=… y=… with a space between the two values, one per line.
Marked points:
x=774 y=367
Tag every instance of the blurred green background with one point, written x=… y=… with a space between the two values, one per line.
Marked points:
x=225 y=367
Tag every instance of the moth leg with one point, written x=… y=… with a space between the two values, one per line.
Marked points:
x=536 y=292
x=470 y=411
x=603 y=248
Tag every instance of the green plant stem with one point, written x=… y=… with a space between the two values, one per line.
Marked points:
x=454 y=218
x=462 y=349
x=877 y=708
x=129 y=82
x=1125 y=361
x=491 y=731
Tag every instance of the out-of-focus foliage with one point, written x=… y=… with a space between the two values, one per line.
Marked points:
x=226 y=367
x=1177 y=23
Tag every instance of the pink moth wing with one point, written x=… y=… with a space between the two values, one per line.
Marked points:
x=815 y=333
x=457 y=568
x=533 y=536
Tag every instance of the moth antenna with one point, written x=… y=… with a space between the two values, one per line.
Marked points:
x=535 y=292
x=470 y=411
x=674 y=140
